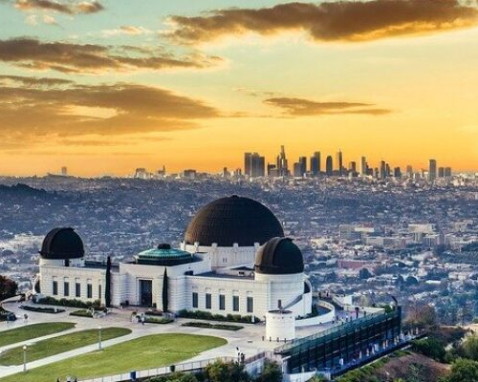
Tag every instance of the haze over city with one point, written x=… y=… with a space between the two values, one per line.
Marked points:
x=106 y=87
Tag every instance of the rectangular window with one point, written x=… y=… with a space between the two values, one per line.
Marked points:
x=250 y=305
x=77 y=290
x=89 y=291
x=235 y=303
x=195 y=300
x=99 y=292
x=55 y=288
x=66 y=288
x=222 y=302
x=208 y=300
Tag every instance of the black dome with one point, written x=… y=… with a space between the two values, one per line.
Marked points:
x=62 y=244
x=232 y=220
x=279 y=256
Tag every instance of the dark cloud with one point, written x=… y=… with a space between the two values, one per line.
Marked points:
x=331 y=21
x=66 y=57
x=72 y=111
x=304 y=107
x=66 y=7
x=33 y=81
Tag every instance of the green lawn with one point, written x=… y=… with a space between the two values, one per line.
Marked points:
x=141 y=353
x=59 y=344
x=29 y=332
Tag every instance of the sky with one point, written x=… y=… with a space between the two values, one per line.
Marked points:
x=106 y=86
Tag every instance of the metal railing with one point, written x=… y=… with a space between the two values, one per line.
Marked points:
x=164 y=370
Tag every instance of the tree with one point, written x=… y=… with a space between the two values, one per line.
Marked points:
x=430 y=347
x=108 y=283
x=271 y=373
x=8 y=288
x=470 y=348
x=463 y=370
x=165 y=291
x=221 y=371
x=365 y=274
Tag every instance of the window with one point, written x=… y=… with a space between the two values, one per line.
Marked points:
x=250 y=305
x=195 y=300
x=235 y=303
x=99 y=292
x=89 y=291
x=208 y=300
x=222 y=302
x=66 y=288
x=55 y=288
x=77 y=289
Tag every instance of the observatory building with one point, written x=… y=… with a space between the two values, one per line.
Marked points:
x=234 y=260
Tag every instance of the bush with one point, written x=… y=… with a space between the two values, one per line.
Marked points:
x=154 y=320
x=73 y=303
x=82 y=313
x=201 y=315
x=39 y=309
x=430 y=347
x=207 y=325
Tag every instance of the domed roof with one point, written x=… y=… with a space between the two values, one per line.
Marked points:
x=232 y=220
x=279 y=256
x=62 y=244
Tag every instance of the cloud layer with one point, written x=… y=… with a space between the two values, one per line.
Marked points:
x=77 y=58
x=304 y=107
x=331 y=21
x=35 y=107
x=66 y=7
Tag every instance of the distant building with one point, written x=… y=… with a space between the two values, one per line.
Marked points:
x=254 y=165
x=339 y=164
x=64 y=171
x=329 y=166
x=315 y=165
x=432 y=170
x=189 y=174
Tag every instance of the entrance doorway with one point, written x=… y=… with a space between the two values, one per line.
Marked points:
x=146 y=292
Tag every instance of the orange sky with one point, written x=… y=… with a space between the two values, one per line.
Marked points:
x=113 y=90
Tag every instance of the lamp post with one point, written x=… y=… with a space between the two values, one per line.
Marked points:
x=99 y=338
x=24 y=358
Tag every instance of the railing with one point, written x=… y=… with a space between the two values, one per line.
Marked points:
x=164 y=370
x=346 y=326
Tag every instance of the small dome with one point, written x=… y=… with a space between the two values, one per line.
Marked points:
x=279 y=256
x=62 y=244
x=232 y=220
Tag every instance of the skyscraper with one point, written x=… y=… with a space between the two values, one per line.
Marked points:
x=282 y=165
x=363 y=166
x=254 y=165
x=339 y=163
x=432 y=170
x=315 y=165
x=329 y=166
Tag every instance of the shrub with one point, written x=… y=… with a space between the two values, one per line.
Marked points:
x=207 y=325
x=202 y=315
x=73 y=303
x=82 y=313
x=39 y=309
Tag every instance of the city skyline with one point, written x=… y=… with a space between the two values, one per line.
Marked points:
x=103 y=87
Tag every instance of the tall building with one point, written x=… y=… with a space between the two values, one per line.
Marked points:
x=410 y=171
x=383 y=170
x=441 y=172
x=353 y=167
x=339 y=164
x=363 y=166
x=282 y=164
x=64 y=171
x=448 y=172
x=254 y=165
x=432 y=170
x=315 y=165
x=329 y=166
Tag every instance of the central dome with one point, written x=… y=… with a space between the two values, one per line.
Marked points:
x=232 y=220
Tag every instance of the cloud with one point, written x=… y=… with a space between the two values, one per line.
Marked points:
x=126 y=30
x=90 y=58
x=349 y=21
x=39 y=107
x=304 y=107
x=65 y=7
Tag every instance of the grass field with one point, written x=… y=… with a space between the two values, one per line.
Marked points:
x=141 y=353
x=59 y=344
x=29 y=332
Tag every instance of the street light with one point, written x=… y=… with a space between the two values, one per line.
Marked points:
x=24 y=358
x=99 y=338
